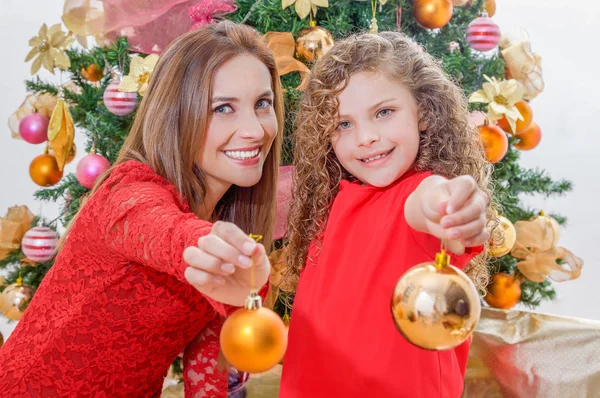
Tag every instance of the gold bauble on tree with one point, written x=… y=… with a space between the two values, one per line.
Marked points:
x=435 y=305
x=432 y=14
x=253 y=339
x=44 y=170
x=503 y=238
x=312 y=43
x=15 y=299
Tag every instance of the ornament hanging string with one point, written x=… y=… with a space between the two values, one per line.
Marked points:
x=373 y=27
x=399 y=16
x=253 y=289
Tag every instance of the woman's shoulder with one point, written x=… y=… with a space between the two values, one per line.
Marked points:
x=133 y=179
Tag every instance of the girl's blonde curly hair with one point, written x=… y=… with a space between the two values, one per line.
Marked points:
x=449 y=147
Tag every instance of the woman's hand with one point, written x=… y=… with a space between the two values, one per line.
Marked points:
x=220 y=266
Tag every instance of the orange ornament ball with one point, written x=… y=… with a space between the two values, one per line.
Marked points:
x=44 y=170
x=253 y=340
x=92 y=73
x=503 y=292
x=432 y=14
x=529 y=138
x=527 y=114
x=495 y=142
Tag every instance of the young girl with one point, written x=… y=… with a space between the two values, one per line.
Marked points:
x=386 y=168
x=202 y=156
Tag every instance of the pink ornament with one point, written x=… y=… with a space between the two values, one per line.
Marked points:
x=119 y=102
x=483 y=34
x=203 y=13
x=34 y=128
x=89 y=168
x=39 y=243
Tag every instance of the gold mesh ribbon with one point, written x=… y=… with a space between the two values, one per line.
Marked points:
x=524 y=354
x=283 y=46
x=13 y=226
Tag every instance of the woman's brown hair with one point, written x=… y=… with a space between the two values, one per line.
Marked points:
x=448 y=147
x=172 y=119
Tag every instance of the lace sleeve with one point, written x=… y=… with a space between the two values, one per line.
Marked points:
x=201 y=374
x=146 y=226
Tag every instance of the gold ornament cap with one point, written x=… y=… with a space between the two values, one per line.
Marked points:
x=253 y=301
x=442 y=259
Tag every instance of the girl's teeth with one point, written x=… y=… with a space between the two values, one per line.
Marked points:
x=375 y=157
x=242 y=154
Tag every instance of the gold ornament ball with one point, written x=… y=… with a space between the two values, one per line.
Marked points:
x=432 y=14
x=435 y=308
x=44 y=170
x=504 y=238
x=504 y=291
x=14 y=300
x=313 y=43
x=253 y=340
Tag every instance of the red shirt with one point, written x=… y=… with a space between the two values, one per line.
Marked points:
x=115 y=310
x=343 y=341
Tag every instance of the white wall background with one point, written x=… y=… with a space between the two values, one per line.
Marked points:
x=564 y=33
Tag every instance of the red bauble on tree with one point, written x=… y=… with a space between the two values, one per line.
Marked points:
x=483 y=34
x=39 y=243
x=119 y=102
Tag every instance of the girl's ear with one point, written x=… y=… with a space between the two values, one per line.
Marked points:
x=423 y=126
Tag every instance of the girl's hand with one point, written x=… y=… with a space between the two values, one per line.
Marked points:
x=452 y=210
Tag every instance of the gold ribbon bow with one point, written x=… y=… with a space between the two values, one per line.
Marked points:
x=61 y=131
x=523 y=65
x=13 y=226
x=536 y=247
x=282 y=45
x=277 y=259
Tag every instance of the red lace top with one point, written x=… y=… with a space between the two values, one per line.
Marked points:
x=115 y=310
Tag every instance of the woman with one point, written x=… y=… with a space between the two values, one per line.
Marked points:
x=197 y=171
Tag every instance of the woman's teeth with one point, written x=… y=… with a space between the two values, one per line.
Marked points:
x=243 y=154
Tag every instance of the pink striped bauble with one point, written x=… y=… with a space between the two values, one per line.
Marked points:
x=39 y=244
x=483 y=34
x=119 y=102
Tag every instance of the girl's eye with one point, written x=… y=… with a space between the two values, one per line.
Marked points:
x=344 y=126
x=384 y=112
x=223 y=109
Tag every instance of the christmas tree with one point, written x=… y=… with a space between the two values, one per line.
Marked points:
x=106 y=81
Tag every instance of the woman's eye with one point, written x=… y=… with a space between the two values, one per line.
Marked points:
x=223 y=109
x=264 y=104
